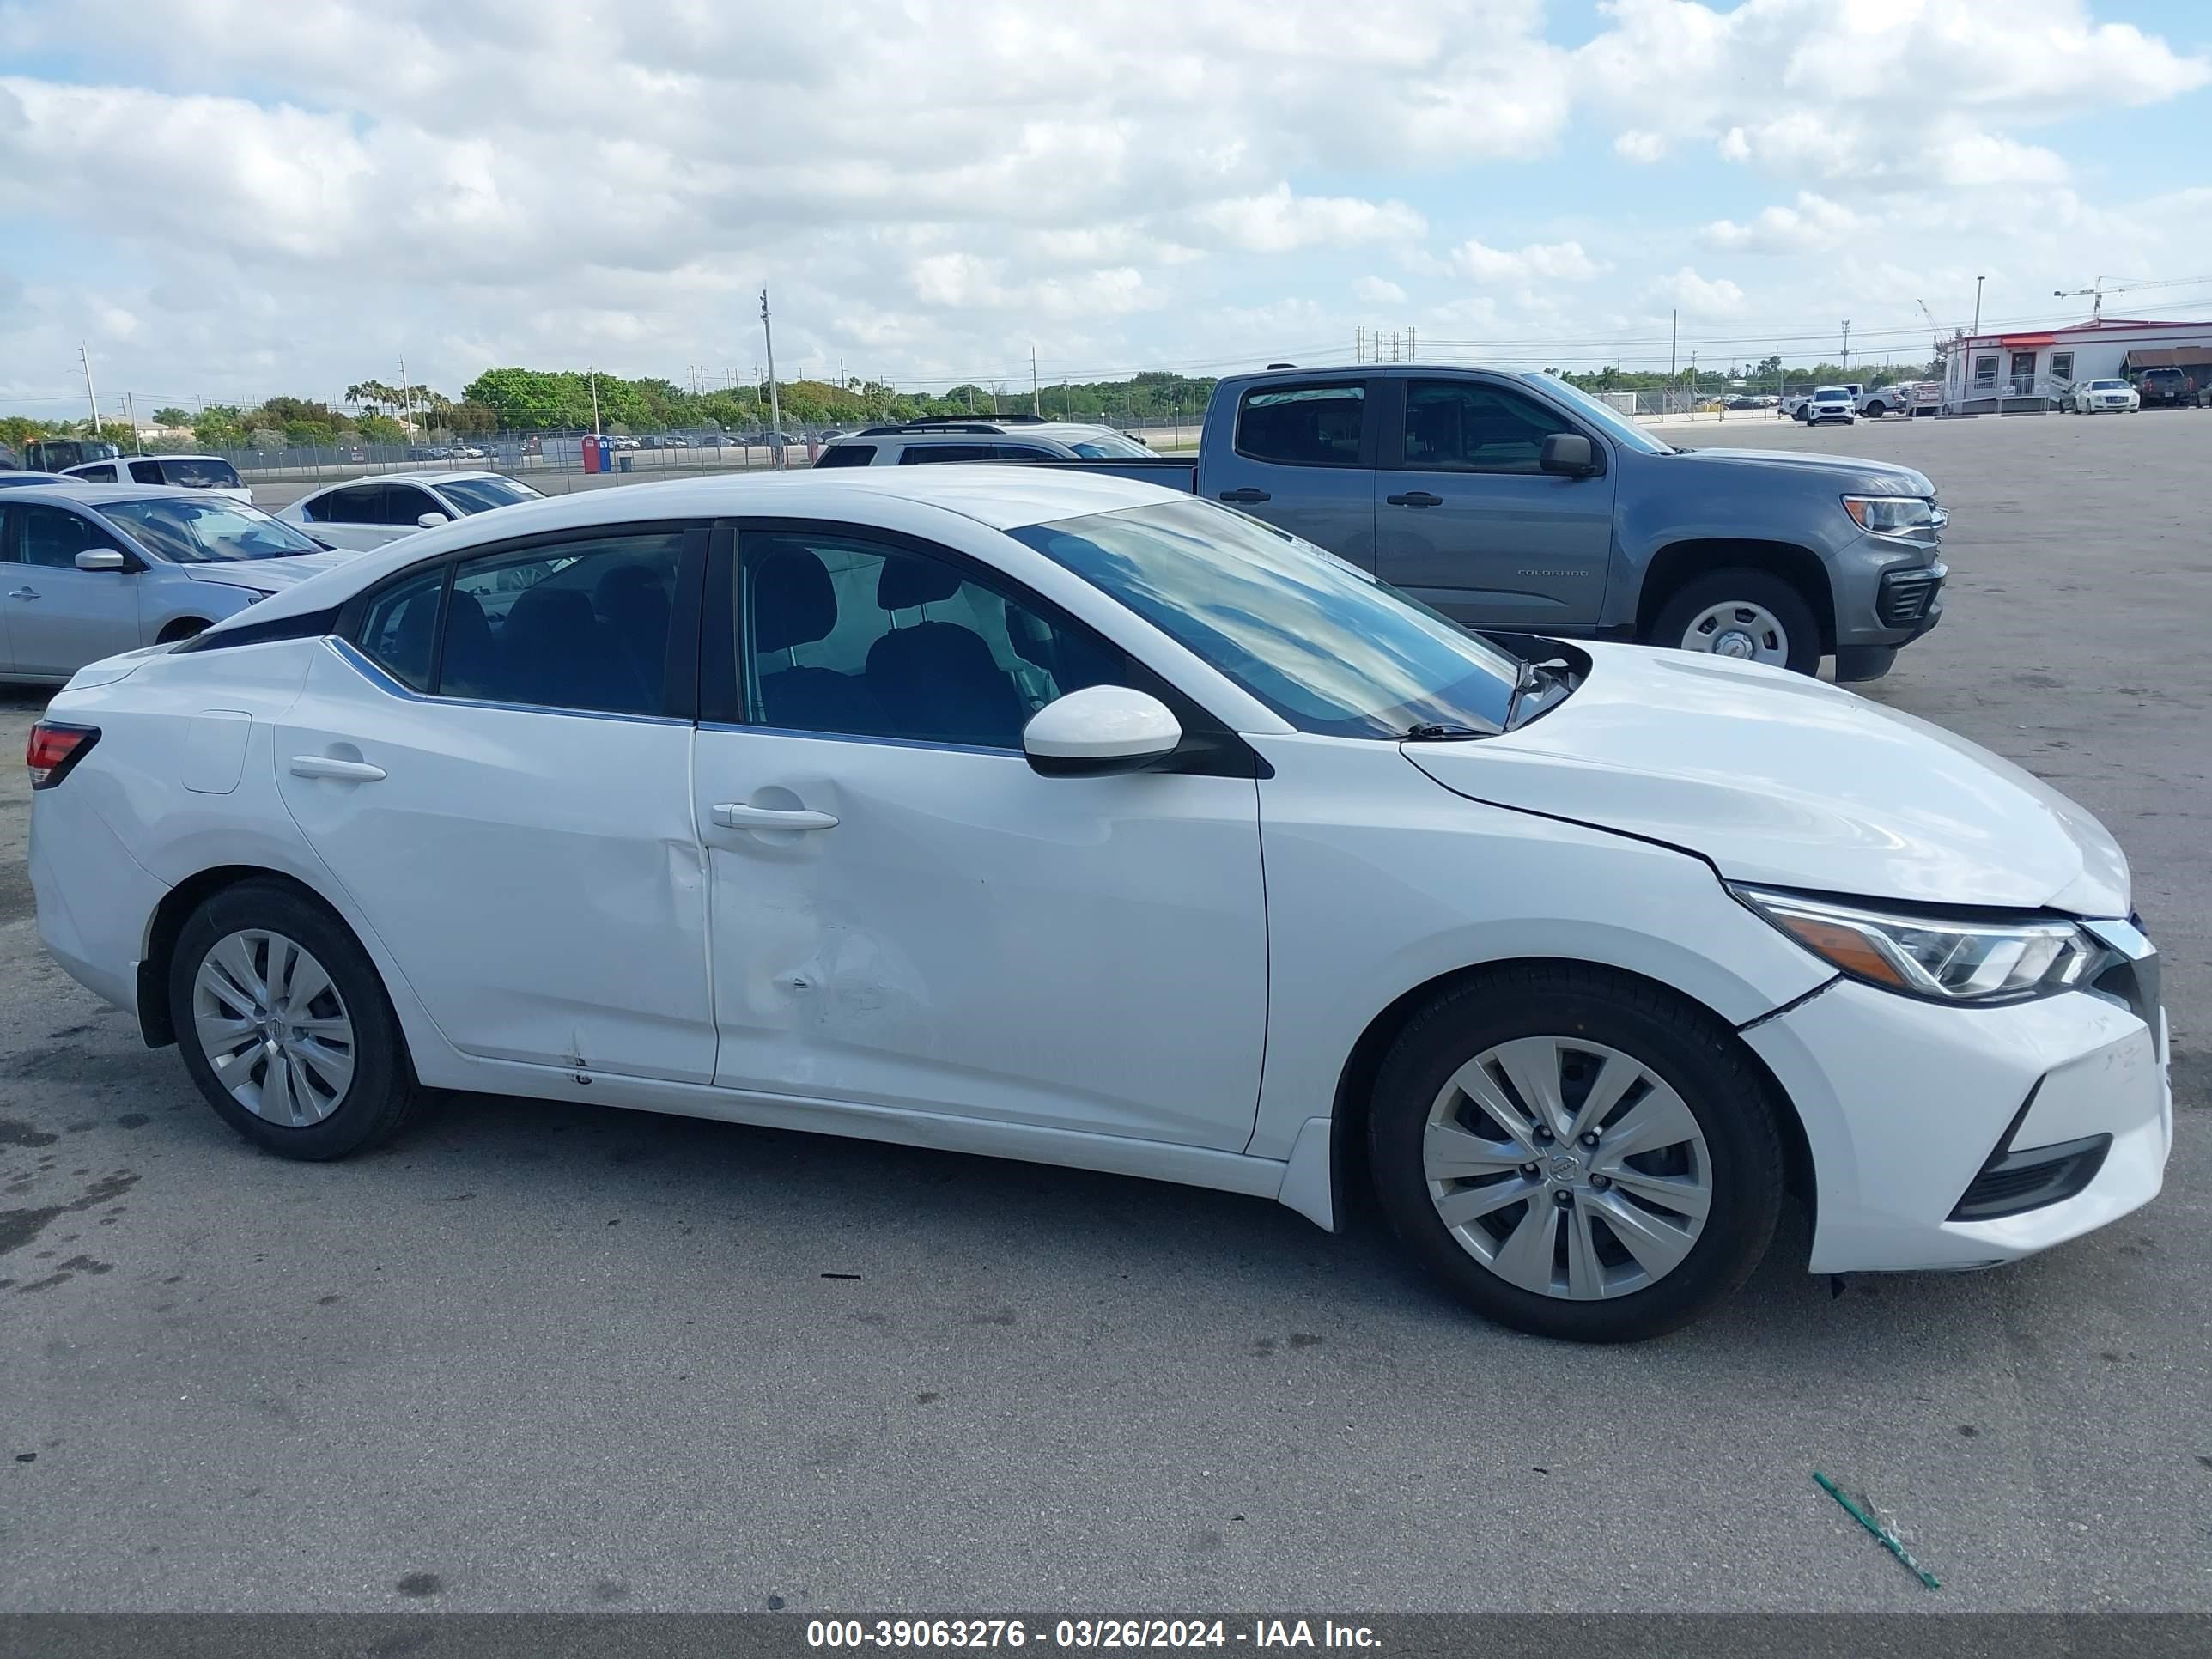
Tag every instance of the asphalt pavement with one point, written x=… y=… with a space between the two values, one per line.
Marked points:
x=536 y=1357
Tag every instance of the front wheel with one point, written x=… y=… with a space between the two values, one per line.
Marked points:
x=1750 y=614
x=1574 y=1153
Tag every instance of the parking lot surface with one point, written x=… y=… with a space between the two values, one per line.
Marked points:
x=539 y=1358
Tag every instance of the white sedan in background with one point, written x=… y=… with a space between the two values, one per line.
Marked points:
x=368 y=513
x=208 y=472
x=2103 y=398
x=927 y=804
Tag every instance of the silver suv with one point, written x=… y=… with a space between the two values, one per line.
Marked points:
x=960 y=438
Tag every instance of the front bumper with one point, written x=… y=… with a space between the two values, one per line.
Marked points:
x=1906 y=1105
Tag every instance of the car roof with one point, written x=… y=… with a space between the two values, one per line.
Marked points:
x=418 y=476
x=82 y=492
x=1002 y=498
x=1060 y=429
x=114 y=460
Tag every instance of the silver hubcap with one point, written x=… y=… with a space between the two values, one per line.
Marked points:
x=1567 y=1168
x=274 y=1027
x=1750 y=633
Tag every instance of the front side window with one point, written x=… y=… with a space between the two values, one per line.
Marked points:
x=405 y=504
x=850 y=636
x=1463 y=426
x=1323 y=645
x=51 y=537
x=1303 y=425
x=1618 y=426
x=213 y=532
x=583 y=625
x=146 y=472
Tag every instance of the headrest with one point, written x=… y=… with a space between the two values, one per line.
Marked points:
x=907 y=582
x=793 y=602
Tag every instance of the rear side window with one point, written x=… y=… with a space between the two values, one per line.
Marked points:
x=938 y=454
x=582 y=624
x=1303 y=425
x=401 y=626
x=95 y=474
x=846 y=455
x=357 y=504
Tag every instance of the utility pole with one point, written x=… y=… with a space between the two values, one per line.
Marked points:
x=1413 y=343
x=84 y=355
x=1847 y=344
x=1359 y=343
x=594 y=374
x=775 y=403
x=1978 y=303
x=130 y=414
x=1036 y=407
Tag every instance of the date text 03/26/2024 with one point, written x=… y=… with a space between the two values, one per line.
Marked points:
x=1122 y=1633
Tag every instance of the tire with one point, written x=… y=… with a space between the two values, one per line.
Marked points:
x=345 y=1082
x=1750 y=592
x=1689 y=1070
x=1875 y=411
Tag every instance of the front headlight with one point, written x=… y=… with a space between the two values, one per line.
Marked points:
x=1885 y=515
x=1939 y=958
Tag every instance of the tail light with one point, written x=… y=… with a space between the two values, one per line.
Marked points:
x=54 y=748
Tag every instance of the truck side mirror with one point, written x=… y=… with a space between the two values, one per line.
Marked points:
x=1569 y=453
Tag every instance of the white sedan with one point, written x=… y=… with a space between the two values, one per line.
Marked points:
x=2103 y=397
x=1063 y=818
x=366 y=513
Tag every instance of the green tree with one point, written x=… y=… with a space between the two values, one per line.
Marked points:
x=171 y=415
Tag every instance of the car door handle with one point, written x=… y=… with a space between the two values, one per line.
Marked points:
x=1415 y=498
x=1246 y=494
x=731 y=815
x=328 y=766
x=23 y=593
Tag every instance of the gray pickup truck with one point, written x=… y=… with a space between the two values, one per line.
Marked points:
x=1516 y=502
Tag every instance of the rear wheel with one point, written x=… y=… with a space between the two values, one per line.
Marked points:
x=1753 y=616
x=1576 y=1154
x=284 y=1025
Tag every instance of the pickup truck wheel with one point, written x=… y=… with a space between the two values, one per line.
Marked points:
x=1749 y=615
x=1876 y=410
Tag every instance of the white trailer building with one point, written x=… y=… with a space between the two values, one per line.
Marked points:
x=2026 y=371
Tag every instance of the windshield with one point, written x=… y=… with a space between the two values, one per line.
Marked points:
x=1623 y=429
x=2108 y=386
x=1832 y=394
x=1111 y=447
x=482 y=495
x=200 y=475
x=1326 y=647
x=208 y=532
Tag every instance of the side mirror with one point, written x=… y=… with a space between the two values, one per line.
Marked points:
x=101 y=558
x=431 y=520
x=1099 y=730
x=1568 y=452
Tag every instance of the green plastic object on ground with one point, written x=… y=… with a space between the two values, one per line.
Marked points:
x=1882 y=1535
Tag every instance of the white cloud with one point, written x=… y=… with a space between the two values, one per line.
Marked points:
x=1558 y=261
x=1699 y=297
x=1278 y=221
x=1378 y=291
x=1638 y=145
x=1814 y=225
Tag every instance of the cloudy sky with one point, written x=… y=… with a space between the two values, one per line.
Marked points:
x=230 y=199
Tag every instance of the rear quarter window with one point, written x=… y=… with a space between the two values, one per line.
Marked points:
x=846 y=455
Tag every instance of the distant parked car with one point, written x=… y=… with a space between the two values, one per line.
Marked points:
x=1877 y=401
x=2103 y=396
x=1830 y=403
x=54 y=454
x=370 y=512
x=11 y=479
x=177 y=472
x=94 y=569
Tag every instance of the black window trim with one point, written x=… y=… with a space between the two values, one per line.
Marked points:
x=1209 y=747
x=680 y=701
x=1374 y=391
x=1397 y=400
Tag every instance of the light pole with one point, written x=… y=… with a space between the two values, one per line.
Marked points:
x=1978 y=281
x=775 y=403
x=1847 y=345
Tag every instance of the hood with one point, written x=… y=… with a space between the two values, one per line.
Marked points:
x=264 y=575
x=1863 y=477
x=1788 y=782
